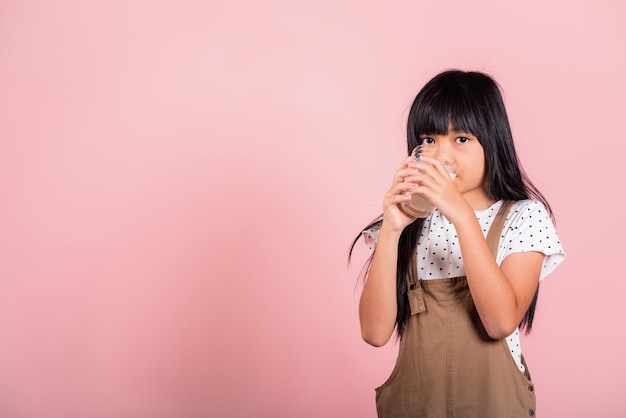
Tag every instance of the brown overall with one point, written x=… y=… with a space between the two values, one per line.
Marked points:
x=447 y=365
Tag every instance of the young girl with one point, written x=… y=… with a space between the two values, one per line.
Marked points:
x=458 y=285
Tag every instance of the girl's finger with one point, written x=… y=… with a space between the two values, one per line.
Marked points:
x=397 y=199
x=402 y=189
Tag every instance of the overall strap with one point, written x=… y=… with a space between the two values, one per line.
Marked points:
x=493 y=236
x=414 y=292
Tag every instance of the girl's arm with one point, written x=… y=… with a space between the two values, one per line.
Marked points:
x=378 y=304
x=502 y=294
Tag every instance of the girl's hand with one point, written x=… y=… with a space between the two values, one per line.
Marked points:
x=395 y=219
x=435 y=184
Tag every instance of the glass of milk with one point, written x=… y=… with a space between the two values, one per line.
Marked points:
x=419 y=206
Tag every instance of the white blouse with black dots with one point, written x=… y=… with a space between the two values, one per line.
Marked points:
x=527 y=227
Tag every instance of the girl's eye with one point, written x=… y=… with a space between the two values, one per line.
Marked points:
x=462 y=139
x=428 y=140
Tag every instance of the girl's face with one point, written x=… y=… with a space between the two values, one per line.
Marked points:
x=469 y=155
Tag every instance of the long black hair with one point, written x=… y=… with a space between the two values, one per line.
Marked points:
x=472 y=102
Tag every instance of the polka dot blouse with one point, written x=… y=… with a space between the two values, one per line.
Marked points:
x=527 y=227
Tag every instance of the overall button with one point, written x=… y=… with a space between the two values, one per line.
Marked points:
x=531 y=412
x=531 y=388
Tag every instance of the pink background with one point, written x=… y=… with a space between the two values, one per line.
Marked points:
x=181 y=181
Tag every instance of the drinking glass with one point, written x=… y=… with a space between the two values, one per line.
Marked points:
x=419 y=206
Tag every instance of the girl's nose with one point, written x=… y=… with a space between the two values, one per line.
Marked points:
x=444 y=148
